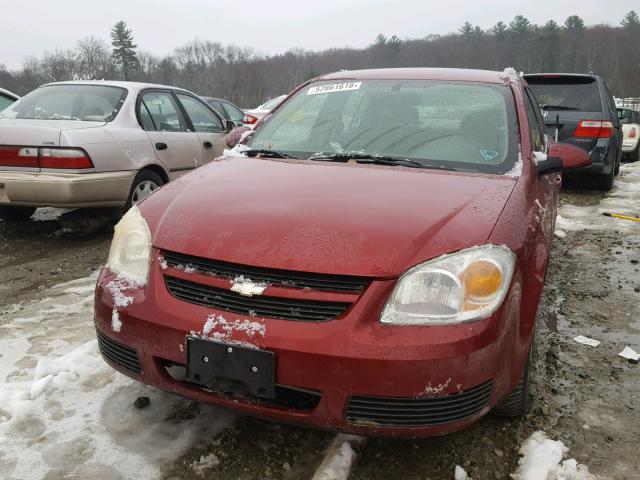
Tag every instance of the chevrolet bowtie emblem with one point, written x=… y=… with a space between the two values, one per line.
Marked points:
x=247 y=288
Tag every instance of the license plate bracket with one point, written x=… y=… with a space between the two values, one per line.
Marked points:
x=210 y=362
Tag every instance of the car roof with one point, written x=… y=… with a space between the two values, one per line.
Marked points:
x=453 y=74
x=9 y=93
x=114 y=83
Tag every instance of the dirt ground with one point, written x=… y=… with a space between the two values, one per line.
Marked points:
x=588 y=397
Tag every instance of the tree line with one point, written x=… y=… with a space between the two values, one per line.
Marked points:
x=248 y=78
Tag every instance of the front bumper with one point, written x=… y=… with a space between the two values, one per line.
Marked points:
x=65 y=190
x=341 y=362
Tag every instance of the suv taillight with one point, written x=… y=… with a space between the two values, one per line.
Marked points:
x=594 y=129
x=632 y=133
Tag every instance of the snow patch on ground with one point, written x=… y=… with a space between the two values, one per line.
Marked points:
x=339 y=459
x=624 y=198
x=64 y=413
x=542 y=460
x=460 y=474
x=47 y=214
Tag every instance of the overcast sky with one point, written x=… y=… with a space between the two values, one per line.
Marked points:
x=31 y=27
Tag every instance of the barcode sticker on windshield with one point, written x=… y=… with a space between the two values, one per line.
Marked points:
x=334 y=87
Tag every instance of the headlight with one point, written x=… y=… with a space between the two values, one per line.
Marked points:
x=130 y=251
x=455 y=288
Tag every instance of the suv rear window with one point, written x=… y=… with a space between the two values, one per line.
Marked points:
x=566 y=93
x=89 y=103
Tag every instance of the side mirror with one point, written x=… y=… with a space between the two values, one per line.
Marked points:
x=230 y=125
x=235 y=135
x=561 y=157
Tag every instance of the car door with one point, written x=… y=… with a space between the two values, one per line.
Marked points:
x=176 y=146
x=208 y=125
x=548 y=186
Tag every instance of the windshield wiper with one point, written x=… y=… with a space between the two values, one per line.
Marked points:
x=375 y=159
x=266 y=153
x=557 y=107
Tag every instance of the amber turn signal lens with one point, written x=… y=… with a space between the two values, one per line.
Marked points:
x=482 y=280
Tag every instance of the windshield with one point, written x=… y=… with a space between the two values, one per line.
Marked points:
x=453 y=125
x=89 y=103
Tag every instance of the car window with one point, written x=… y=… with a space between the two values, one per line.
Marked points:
x=217 y=106
x=80 y=102
x=625 y=115
x=163 y=112
x=5 y=102
x=572 y=93
x=202 y=118
x=454 y=125
x=535 y=127
x=233 y=112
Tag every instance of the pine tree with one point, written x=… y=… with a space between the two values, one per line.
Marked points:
x=551 y=27
x=380 y=41
x=466 y=30
x=499 y=29
x=631 y=20
x=521 y=25
x=574 y=24
x=124 y=50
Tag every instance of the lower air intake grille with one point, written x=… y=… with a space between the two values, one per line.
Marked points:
x=418 y=412
x=258 y=306
x=119 y=354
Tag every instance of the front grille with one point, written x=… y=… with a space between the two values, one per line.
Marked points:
x=119 y=354
x=258 y=306
x=271 y=276
x=418 y=412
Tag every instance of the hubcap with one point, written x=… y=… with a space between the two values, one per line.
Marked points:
x=142 y=191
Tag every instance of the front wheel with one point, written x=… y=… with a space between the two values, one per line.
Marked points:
x=16 y=214
x=516 y=403
x=144 y=184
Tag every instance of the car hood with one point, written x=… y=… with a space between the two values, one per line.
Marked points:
x=38 y=132
x=324 y=217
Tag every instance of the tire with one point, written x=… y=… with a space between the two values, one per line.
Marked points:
x=605 y=182
x=517 y=403
x=16 y=214
x=635 y=155
x=144 y=184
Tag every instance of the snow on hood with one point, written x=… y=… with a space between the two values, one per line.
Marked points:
x=325 y=218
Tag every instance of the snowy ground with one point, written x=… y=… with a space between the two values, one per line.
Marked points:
x=65 y=414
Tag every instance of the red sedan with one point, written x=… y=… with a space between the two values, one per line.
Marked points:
x=369 y=260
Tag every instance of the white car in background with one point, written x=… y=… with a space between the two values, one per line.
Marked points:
x=253 y=116
x=630 y=121
x=7 y=98
x=101 y=144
